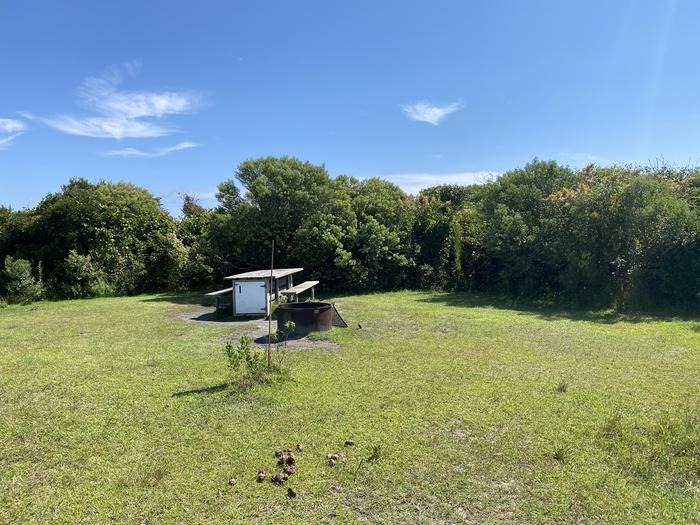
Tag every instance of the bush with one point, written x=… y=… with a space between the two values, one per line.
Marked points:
x=82 y=277
x=19 y=283
x=248 y=366
x=244 y=363
x=128 y=235
x=619 y=236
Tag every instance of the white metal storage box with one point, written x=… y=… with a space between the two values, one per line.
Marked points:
x=251 y=298
x=252 y=293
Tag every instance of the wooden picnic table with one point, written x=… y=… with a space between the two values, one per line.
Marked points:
x=222 y=297
x=299 y=288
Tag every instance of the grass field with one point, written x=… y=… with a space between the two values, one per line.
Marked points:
x=116 y=411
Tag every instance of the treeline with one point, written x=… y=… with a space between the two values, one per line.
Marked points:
x=606 y=236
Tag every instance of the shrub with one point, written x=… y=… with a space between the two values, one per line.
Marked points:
x=248 y=366
x=245 y=364
x=428 y=278
x=601 y=236
x=127 y=233
x=81 y=277
x=20 y=285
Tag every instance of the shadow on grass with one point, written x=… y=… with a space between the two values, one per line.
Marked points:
x=204 y=390
x=543 y=309
x=281 y=338
x=553 y=312
x=194 y=298
x=214 y=317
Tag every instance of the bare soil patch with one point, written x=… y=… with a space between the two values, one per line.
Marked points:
x=255 y=328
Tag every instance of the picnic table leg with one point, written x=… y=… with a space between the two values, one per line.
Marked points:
x=312 y=293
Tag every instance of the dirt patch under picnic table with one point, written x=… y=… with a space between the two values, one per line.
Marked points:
x=255 y=328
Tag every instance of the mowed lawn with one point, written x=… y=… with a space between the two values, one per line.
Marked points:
x=115 y=411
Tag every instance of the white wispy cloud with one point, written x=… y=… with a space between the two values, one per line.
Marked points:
x=120 y=113
x=10 y=129
x=9 y=125
x=159 y=152
x=414 y=182
x=115 y=128
x=5 y=140
x=424 y=111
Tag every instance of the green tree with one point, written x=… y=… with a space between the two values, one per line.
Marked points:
x=229 y=196
x=518 y=259
x=282 y=192
x=16 y=234
x=383 y=245
x=192 y=227
x=123 y=229
x=433 y=234
x=323 y=239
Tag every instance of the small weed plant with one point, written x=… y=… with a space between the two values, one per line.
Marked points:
x=612 y=427
x=376 y=454
x=248 y=366
x=281 y=348
x=561 y=453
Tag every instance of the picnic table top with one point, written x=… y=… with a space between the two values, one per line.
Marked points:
x=263 y=274
x=299 y=287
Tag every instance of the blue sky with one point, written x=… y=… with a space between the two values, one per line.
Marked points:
x=173 y=95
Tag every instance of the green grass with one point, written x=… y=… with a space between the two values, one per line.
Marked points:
x=115 y=411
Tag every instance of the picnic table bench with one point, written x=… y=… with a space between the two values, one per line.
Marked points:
x=223 y=298
x=299 y=288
